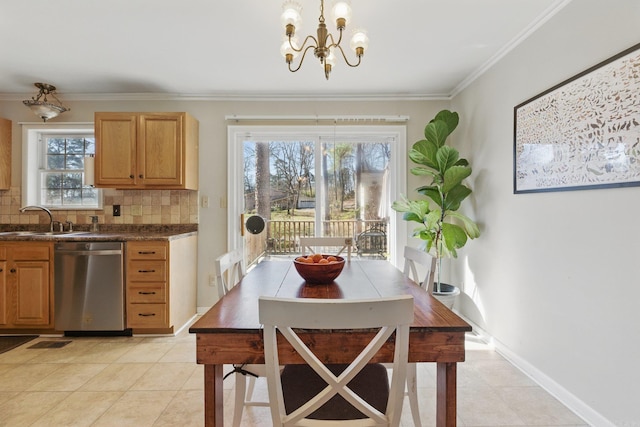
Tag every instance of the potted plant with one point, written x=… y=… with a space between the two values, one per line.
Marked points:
x=442 y=228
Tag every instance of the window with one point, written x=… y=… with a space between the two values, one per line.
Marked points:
x=62 y=171
x=53 y=166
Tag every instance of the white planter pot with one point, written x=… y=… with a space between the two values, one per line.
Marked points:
x=447 y=294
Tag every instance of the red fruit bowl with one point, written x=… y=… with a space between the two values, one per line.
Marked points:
x=319 y=273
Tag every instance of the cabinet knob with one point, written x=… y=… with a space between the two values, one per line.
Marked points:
x=140 y=176
x=13 y=270
x=131 y=176
x=1 y=270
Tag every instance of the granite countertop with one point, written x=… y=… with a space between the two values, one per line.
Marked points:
x=117 y=234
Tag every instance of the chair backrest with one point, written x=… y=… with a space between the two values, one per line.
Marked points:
x=321 y=244
x=372 y=242
x=390 y=314
x=229 y=270
x=414 y=257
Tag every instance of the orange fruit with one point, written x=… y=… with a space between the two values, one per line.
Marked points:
x=316 y=257
x=301 y=259
x=323 y=261
x=332 y=258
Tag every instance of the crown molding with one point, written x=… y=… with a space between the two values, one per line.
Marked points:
x=69 y=97
x=551 y=11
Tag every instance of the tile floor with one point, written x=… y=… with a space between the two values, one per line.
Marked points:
x=154 y=381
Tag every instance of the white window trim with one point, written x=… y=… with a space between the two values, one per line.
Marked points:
x=31 y=154
x=236 y=135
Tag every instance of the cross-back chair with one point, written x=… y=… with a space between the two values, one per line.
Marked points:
x=415 y=257
x=230 y=270
x=412 y=259
x=322 y=244
x=359 y=394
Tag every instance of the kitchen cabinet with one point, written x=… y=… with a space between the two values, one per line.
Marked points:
x=26 y=285
x=146 y=150
x=161 y=284
x=5 y=154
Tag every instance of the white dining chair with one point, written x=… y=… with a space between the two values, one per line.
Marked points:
x=412 y=259
x=323 y=244
x=230 y=269
x=300 y=398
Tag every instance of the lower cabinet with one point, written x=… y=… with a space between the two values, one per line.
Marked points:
x=26 y=285
x=161 y=284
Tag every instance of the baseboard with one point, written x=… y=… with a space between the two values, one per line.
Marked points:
x=581 y=409
x=202 y=310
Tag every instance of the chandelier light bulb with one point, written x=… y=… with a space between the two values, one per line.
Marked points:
x=289 y=48
x=359 y=41
x=341 y=13
x=291 y=15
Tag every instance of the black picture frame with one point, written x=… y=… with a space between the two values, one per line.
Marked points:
x=583 y=133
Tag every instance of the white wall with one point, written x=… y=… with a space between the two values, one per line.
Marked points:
x=555 y=276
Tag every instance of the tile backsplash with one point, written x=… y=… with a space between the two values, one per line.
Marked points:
x=136 y=207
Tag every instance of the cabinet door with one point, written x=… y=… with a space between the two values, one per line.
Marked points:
x=31 y=292
x=115 y=164
x=4 y=294
x=5 y=154
x=160 y=150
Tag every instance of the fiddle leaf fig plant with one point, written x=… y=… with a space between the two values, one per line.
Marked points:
x=441 y=226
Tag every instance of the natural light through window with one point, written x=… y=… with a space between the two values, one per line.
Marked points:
x=53 y=173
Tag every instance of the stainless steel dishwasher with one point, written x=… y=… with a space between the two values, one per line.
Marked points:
x=89 y=288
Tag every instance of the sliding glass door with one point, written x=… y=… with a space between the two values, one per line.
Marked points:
x=314 y=181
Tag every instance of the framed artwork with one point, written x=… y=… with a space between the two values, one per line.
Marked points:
x=583 y=133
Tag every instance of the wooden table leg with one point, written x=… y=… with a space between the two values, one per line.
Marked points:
x=213 y=404
x=446 y=395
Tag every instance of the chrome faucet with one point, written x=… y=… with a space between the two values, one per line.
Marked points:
x=42 y=208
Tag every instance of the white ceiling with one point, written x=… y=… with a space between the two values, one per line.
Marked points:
x=419 y=49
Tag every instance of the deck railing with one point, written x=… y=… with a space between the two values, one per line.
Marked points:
x=283 y=237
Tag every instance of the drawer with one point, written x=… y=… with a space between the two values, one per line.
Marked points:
x=147 y=293
x=147 y=271
x=30 y=253
x=142 y=251
x=147 y=316
x=3 y=253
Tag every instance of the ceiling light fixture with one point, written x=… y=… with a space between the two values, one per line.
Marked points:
x=324 y=46
x=43 y=108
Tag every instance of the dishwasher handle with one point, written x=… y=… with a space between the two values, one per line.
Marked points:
x=89 y=252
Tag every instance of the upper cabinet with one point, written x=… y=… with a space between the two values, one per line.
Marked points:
x=5 y=154
x=146 y=150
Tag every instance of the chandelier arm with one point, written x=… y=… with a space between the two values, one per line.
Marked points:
x=301 y=59
x=302 y=46
x=333 y=43
x=347 y=60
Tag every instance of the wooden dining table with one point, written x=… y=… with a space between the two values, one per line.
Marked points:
x=230 y=333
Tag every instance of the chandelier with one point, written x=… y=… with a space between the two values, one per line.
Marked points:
x=41 y=106
x=324 y=46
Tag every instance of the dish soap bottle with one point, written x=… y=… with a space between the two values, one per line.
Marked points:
x=94 y=224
